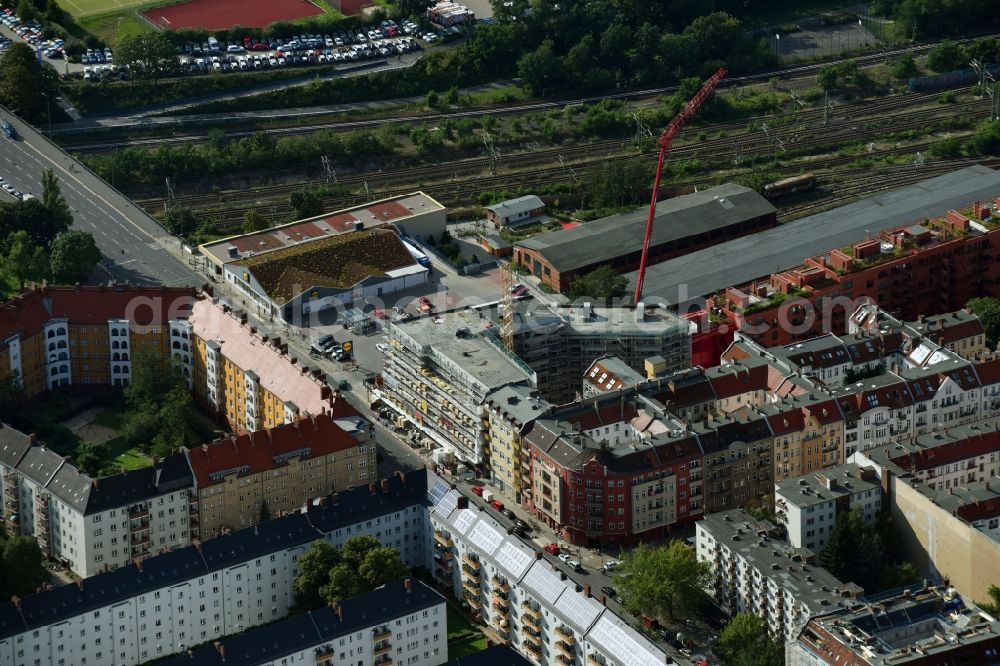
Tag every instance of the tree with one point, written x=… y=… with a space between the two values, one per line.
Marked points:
x=74 y=256
x=993 y=605
x=254 y=221
x=22 y=560
x=22 y=84
x=26 y=11
x=947 y=57
x=90 y=457
x=412 y=8
x=855 y=551
x=827 y=77
x=745 y=642
x=359 y=566
x=265 y=512
x=662 y=581
x=600 y=284
x=432 y=99
x=899 y=575
x=148 y=55
x=180 y=220
x=380 y=566
x=33 y=218
x=306 y=203
x=314 y=572
x=25 y=260
x=541 y=69
x=54 y=201
x=905 y=67
x=988 y=311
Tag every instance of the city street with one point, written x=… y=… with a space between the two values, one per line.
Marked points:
x=132 y=243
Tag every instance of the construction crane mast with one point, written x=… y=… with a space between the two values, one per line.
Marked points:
x=507 y=300
x=665 y=141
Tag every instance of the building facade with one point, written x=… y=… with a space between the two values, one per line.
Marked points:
x=239 y=480
x=917 y=270
x=808 y=506
x=754 y=571
x=535 y=608
x=188 y=596
x=401 y=622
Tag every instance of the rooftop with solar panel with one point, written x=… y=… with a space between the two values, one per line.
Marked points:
x=931 y=624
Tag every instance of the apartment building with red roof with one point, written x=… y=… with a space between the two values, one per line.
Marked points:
x=279 y=468
x=921 y=269
x=53 y=336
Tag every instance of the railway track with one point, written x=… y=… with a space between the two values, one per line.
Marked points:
x=790 y=73
x=576 y=161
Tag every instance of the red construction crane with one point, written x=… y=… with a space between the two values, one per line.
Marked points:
x=665 y=141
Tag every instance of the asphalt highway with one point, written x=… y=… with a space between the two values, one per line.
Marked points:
x=133 y=244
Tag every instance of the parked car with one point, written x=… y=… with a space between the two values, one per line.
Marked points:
x=497 y=504
x=552 y=549
x=477 y=490
x=565 y=557
x=574 y=565
x=324 y=343
x=611 y=565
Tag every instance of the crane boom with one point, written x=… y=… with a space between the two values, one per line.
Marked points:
x=665 y=141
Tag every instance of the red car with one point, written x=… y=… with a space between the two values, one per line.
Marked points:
x=247 y=43
x=477 y=490
x=552 y=549
x=497 y=504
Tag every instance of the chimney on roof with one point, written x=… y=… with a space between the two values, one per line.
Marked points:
x=79 y=583
x=204 y=447
x=385 y=485
x=586 y=590
x=408 y=584
x=335 y=498
x=538 y=554
x=604 y=600
x=16 y=600
x=371 y=487
x=401 y=477
x=340 y=612
x=95 y=484
x=32 y=438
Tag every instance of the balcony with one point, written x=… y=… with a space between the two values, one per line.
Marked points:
x=535 y=650
x=444 y=564
x=532 y=639
x=499 y=585
x=136 y=513
x=471 y=587
x=473 y=601
x=501 y=604
x=595 y=660
x=382 y=649
x=140 y=542
x=529 y=615
x=324 y=655
x=566 y=649
x=383 y=634
x=566 y=634
x=384 y=659
x=471 y=563
x=443 y=540
x=472 y=576
x=565 y=659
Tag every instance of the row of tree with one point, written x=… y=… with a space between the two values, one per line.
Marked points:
x=21 y=569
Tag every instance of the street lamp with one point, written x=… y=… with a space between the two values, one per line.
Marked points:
x=777 y=42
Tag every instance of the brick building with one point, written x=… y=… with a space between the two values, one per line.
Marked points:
x=683 y=224
x=921 y=269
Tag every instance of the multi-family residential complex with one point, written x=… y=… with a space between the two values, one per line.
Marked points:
x=402 y=622
x=808 y=506
x=92 y=524
x=86 y=336
x=923 y=268
x=276 y=470
x=188 y=596
x=440 y=373
x=945 y=498
x=95 y=525
x=754 y=571
x=522 y=596
x=923 y=626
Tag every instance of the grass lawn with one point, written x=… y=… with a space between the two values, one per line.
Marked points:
x=463 y=637
x=118 y=451
x=108 y=29
x=791 y=10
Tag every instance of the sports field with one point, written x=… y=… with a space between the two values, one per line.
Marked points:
x=84 y=8
x=221 y=14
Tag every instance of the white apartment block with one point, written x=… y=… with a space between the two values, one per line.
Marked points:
x=944 y=460
x=92 y=525
x=547 y=617
x=754 y=572
x=402 y=622
x=808 y=505
x=187 y=596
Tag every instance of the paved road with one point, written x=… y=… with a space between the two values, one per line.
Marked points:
x=132 y=243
